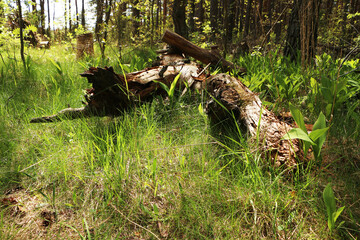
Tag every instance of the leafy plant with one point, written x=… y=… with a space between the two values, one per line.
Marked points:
x=315 y=138
x=170 y=91
x=333 y=214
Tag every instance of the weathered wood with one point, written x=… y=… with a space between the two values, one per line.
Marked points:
x=112 y=93
x=229 y=95
x=188 y=48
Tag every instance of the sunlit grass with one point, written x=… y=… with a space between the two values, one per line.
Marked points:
x=158 y=167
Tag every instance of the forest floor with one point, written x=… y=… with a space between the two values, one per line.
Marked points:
x=160 y=171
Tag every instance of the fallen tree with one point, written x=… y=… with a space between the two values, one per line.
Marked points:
x=112 y=93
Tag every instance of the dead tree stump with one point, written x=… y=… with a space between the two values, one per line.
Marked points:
x=84 y=45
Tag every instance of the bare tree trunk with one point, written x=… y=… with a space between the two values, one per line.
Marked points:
x=77 y=13
x=99 y=21
x=70 y=17
x=83 y=14
x=42 y=17
x=214 y=9
x=309 y=22
x=66 y=18
x=136 y=16
x=191 y=16
x=48 y=8
x=292 y=45
x=21 y=34
x=179 y=18
x=247 y=18
x=164 y=13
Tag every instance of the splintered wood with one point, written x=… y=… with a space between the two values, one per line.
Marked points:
x=229 y=95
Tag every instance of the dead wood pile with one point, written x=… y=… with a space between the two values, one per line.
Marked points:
x=112 y=93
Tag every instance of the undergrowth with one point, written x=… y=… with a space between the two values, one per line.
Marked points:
x=159 y=171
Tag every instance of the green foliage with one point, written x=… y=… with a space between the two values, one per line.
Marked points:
x=332 y=213
x=315 y=138
x=158 y=164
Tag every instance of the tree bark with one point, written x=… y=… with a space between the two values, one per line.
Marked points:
x=48 y=8
x=214 y=8
x=21 y=33
x=83 y=14
x=179 y=18
x=136 y=18
x=70 y=17
x=230 y=97
x=292 y=45
x=42 y=17
x=194 y=51
x=77 y=13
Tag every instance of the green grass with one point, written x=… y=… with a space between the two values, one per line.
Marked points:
x=159 y=170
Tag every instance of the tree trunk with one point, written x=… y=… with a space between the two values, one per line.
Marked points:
x=292 y=45
x=192 y=16
x=136 y=18
x=66 y=18
x=231 y=98
x=164 y=13
x=42 y=17
x=188 y=48
x=247 y=18
x=309 y=22
x=99 y=21
x=179 y=18
x=48 y=8
x=83 y=14
x=77 y=13
x=21 y=24
x=214 y=8
x=70 y=17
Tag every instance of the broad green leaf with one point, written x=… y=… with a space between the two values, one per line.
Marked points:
x=297 y=133
x=319 y=124
x=329 y=199
x=337 y=213
x=298 y=117
x=163 y=85
x=173 y=85
x=316 y=134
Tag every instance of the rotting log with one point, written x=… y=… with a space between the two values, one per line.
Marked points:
x=188 y=48
x=229 y=95
x=112 y=93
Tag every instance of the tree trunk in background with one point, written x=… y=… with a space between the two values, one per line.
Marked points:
x=164 y=13
x=279 y=24
x=199 y=13
x=229 y=27
x=66 y=18
x=42 y=17
x=99 y=23
x=120 y=24
x=309 y=22
x=108 y=5
x=247 y=18
x=191 y=16
x=83 y=14
x=77 y=13
x=292 y=45
x=33 y=6
x=214 y=8
x=241 y=19
x=136 y=18
x=70 y=17
x=179 y=18
x=48 y=8
x=21 y=34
